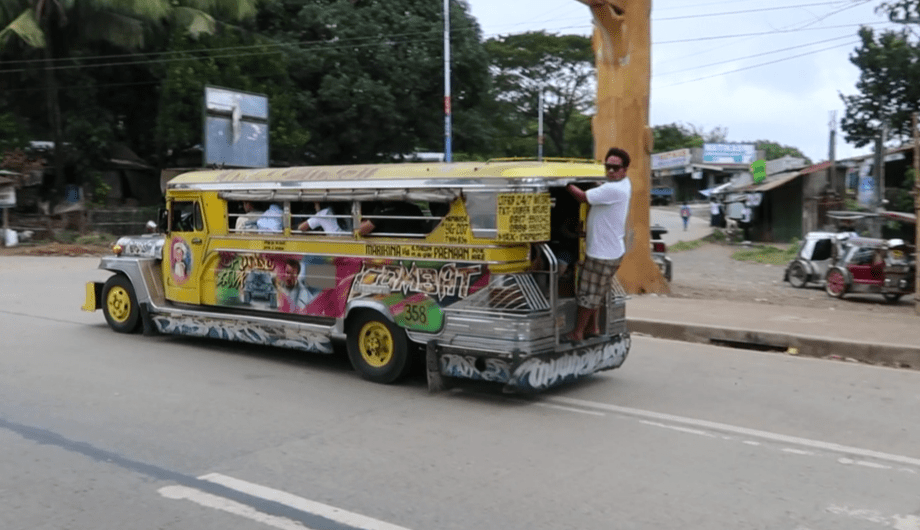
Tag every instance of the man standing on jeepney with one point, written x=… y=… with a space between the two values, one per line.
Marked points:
x=605 y=228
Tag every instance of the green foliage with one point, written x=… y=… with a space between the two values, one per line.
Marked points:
x=674 y=136
x=767 y=254
x=888 y=86
x=14 y=134
x=686 y=245
x=679 y=136
x=562 y=66
x=773 y=150
x=717 y=236
x=101 y=190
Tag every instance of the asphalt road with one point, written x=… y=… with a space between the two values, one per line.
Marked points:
x=107 y=431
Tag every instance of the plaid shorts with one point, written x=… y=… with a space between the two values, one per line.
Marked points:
x=595 y=280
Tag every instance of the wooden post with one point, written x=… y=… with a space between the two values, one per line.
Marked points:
x=622 y=51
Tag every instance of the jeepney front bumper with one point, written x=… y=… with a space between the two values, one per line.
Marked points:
x=529 y=372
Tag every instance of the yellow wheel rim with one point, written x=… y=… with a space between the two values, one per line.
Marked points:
x=119 y=304
x=376 y=344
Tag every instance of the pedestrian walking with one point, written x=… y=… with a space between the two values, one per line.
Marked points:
x=685 y=214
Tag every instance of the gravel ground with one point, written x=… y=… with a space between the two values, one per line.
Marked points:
x=709 y=272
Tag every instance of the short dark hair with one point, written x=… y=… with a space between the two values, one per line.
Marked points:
x=616 y=151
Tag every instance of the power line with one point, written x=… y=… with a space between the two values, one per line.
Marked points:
x=761 y=64
x=755 y=55
x=755 y=10
x=756 y=34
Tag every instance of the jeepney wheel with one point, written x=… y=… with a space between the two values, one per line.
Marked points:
x=377 y=348
x=836 y=283
x=119 y=304
x=892 y=298
x=797 y=275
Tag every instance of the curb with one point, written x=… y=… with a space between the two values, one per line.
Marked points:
x=898 y=355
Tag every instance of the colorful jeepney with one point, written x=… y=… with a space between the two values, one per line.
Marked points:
x=461 y=268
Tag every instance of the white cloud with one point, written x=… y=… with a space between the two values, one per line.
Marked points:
x=787 y=102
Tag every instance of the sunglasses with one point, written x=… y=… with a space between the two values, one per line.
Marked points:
x=613 y=167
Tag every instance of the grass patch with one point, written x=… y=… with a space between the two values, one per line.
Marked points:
x=766 y=254
x=686 y=245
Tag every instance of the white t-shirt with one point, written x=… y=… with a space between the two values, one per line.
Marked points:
x=324 y=219
x=606 y=223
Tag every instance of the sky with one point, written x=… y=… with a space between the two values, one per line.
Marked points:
x=764 y=70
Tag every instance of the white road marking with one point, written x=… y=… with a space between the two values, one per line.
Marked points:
x=571 y=409
x=305 y=505
x=219 y=503
x=850 y=461
x=742 y=431
x=898 y=522
x=797 y=451
x=681 y=429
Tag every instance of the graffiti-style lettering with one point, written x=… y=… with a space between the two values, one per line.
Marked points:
x=450 y=280
x=495 y=370
x=539 y=373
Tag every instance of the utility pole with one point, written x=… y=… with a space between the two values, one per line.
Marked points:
x=447 y=125
x=540 y=126
x=879 y=175
x=834 y=181
x=916 y=211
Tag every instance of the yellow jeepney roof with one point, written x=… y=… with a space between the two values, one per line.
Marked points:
x=388 y=175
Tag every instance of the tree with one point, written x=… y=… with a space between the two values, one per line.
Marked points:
x=678 y=136
x=774 y=150
x=888 y=85
x=57 y=28
x=372 y=76
x=562 y=66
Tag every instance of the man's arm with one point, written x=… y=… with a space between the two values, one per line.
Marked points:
x=577 y=192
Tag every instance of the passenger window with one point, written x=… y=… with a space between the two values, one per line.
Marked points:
x=393 y=219
x=186 y=217
x=323 y=217
x=822 y=250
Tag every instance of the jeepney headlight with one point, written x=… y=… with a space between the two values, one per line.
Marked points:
x=902 y=284
x=117 y=249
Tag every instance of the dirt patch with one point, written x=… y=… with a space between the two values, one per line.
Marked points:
x=709 y=272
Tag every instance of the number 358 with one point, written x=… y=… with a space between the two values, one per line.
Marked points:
x=416 y=313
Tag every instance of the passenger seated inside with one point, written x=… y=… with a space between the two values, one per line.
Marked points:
x=323 y=218
x=248 y=220
x=392 y=218
x=271 y=220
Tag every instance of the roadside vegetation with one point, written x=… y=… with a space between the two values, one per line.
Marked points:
x=767 y=254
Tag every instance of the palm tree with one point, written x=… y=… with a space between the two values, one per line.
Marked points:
x=55 y=26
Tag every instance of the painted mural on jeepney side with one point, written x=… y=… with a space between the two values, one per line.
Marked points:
x=416 y=291
x=305 y=285
x=180 y=260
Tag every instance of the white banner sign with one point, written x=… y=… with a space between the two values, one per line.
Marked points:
x=676 y=158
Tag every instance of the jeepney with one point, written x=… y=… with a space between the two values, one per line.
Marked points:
x=450 y=273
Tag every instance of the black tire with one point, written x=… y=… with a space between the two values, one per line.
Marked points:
x=119 y=305
x=377 y=348
x=836 y=285
x=892 y=298
x=797 y=274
